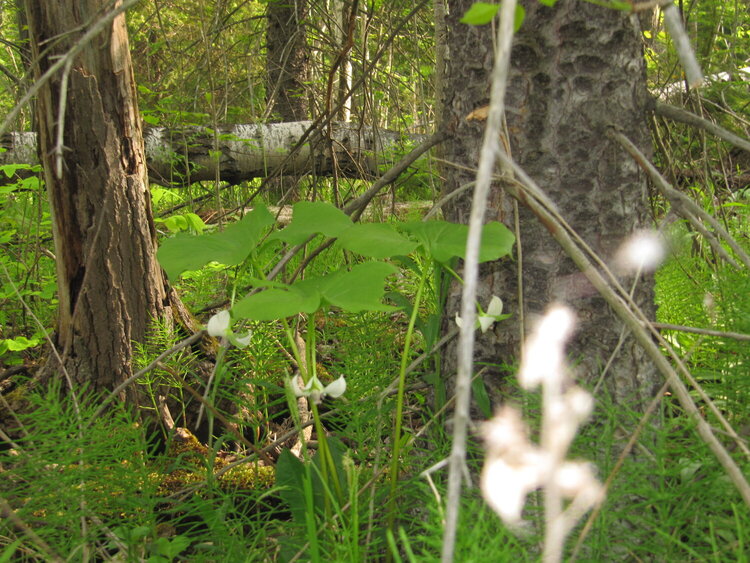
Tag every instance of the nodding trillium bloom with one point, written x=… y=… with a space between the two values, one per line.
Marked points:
x=220 y=326
x=486 y=320
x=315 y=389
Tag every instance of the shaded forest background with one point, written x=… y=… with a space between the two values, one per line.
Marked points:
x=155 y=490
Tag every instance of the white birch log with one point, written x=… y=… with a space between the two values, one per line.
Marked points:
x=241 y=152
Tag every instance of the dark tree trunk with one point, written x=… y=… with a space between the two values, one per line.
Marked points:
x=287 y=59
x=110 y=286
x=287 y=66
x=576 y=69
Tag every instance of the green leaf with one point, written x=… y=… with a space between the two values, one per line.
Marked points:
x=313 y=217
x=479 y=393
x=549 y=3
x=276 y=303
x=360 y=289
x=444 y=241
x=519 y=16
x=11 y=169
x=195 y=222
x=497 y=241
x=20 y=343
x=622 y=6
x=290 y=474
x=230 y=247
x=480 y=13
x=376 y=240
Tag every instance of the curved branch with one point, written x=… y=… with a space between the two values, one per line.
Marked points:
x=683 y=116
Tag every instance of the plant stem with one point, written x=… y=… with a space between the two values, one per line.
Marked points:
x=396 y=440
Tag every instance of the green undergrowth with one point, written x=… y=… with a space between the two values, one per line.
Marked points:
x=113 y=487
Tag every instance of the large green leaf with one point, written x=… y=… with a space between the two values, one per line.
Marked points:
x=313 y=217
x=444 y=241
x=360 y=289
x=275 y=303
x=231 y=246
x=376 y=240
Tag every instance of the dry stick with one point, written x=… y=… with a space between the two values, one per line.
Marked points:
x=681 y=41
x=628 y=314
x=713 y=241
x=238 y=436
x=648 y=413
x=688 y=118
x=389 y=390
x=532 y=190
x=490 y=150
x=325 y=119
x=704 y=331
x=658 y=180
x=684 y=203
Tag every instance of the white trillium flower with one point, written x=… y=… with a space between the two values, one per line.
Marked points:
x=220 y=326
x=486 y=320
x=315 y=389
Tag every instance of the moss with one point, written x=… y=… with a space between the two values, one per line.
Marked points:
x=192 y=456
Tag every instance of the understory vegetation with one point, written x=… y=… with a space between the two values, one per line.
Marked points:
x=281 y=463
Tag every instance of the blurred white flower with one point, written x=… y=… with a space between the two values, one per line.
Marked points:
x=544 y=352
x=486 y=320
x=643 y=251
x=220 y=326
x=316 y=390
x=505 y=485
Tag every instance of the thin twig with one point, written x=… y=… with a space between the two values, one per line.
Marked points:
x=489 y=152
x=704 y=331
x=681 y=42
x=688 y=118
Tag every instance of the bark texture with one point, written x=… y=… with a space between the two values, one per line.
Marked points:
x=109 y=284
x=287 y=59
x=576 y=69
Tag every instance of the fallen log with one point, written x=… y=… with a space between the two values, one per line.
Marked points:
x=236 y=153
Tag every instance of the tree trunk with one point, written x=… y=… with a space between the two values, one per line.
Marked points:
x=576 y=69
x=110 y=286
x=287 y=59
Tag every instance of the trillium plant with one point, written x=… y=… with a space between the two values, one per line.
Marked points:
x=485 y=320
x=220 y=326
x=315 y=389
x=377 y=251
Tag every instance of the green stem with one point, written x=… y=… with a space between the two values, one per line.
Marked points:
x=328 y=470
x=396 y=440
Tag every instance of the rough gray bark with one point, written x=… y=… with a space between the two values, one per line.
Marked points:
x=110 y=286
x=182 y=156
x=577 y=69
x=287 y=59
